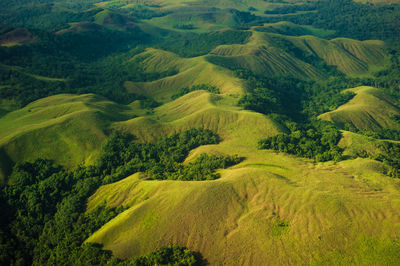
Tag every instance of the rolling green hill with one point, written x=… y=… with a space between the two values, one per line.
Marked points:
x=371 y=109
x=298 y=211
x=273 y=54
x=68 y=129
x=191 y=71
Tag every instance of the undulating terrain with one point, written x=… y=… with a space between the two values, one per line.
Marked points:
x=224 y=132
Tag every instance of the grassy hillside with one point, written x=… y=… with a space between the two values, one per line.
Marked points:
x=275 y=54
x=298 y=211
x=68 y=129
x=200 y=109
x=264 y=54
x=191 y=71
x=370 y=109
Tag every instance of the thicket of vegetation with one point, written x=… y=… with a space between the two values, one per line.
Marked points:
x=45 y=15
x=384 y=133
x=43 y=217
x=348 y=18
x=82 y=63
x=186 y=90
x=317 y=141
x=193 y=44
x=161 y=160
x=298 y=99
x=295 y=104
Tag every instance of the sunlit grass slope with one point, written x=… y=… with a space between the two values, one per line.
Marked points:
x=66 y=128
x=191 y=71
x=201 y=109
x=370 y=109
x=265 y=54
x=271 y=208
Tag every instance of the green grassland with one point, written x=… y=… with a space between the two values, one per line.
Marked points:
x=291 y=29
x=296 y=210
x=275 y=54
x=68 y=129
x=370 y=109
x=191 y=71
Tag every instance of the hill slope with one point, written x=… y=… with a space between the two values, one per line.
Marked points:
x=298 y=211
x=295 y=210
x=370 y=109
x=68 y=129
x=275 y=54
x=191 y=71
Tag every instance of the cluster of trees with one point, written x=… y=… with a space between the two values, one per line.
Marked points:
x=298 y=99
x=293 y=8
x=161 y=160
x=348 y=18
x=184 y=26
x=203 y=168
x=193 y=44
x=382 y=133
x=43 y=14
x=271 y=94
x=137 y=11
x=186 y=90
x=390 y=156
x=82 y=62
x=44 y=220
x=317 y=141
x=327 y=95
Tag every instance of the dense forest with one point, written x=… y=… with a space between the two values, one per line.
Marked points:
x=317 y=140
x=348 y=18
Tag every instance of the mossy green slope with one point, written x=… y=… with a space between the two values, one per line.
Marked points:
x=264 y=54
x=68 y=129
x=370 y=109
x=191 y=71
x=291 y=29
x=200 y=109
